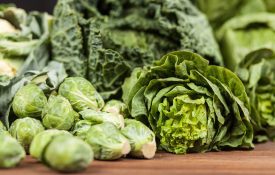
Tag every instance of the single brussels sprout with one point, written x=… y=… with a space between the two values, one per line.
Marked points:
x=29 y=101
x=81 y=94
x=58 y=113
x=68 y=154
x=107 y=142
x=25 y=129
x=142 y=139
x=41 y=140
x=116 y=106
x=11 y=152
x=97 y=117
x=81 y=128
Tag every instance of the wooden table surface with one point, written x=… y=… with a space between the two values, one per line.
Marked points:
x=259 y=161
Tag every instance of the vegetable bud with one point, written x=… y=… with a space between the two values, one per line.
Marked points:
x=29 y=101
x=58 y=113
x=107 y=142
x=25 y=129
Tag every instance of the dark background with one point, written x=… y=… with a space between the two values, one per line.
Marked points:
x=29 y=5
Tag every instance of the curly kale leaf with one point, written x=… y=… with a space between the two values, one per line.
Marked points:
x=104 y=40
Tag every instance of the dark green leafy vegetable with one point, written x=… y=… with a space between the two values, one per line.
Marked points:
x=142 y=139
x=191 y=106
x=107 y=142
x=25 y=129
x=11 y=152
x=58 y=113
x=104 y=40
x=81 y=94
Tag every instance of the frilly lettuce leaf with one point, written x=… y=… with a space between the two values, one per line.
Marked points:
x=190 y=105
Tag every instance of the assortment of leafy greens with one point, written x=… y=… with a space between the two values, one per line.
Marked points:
x=190 y=105
x=180 y=102
x=219 y=12
x=104 y=40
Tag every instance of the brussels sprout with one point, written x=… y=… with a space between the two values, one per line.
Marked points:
x=11 y=152
x=25 y=129
x=107 y=142
x=81 y=94
x=68 y=154
x=29 y=101
x=116 y=106
x=97 y=117
x=81 y=128
x=41 y=140
x=58 y=113
x=142 y=139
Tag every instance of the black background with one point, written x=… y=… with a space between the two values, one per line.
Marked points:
x=29 y=5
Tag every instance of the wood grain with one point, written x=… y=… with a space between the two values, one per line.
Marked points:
x=260 y=161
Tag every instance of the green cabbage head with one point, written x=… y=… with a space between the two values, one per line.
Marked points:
x=190 y=105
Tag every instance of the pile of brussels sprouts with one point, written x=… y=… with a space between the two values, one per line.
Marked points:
x=69 y=128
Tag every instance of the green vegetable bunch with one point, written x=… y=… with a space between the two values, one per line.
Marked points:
x=105 y=40
x=190 y=105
